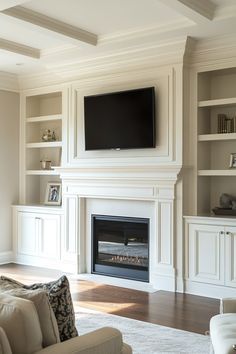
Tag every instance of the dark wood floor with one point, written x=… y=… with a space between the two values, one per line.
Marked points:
x=182 y=311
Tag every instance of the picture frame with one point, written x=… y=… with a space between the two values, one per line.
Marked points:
x=232 y=162
x=53 y=193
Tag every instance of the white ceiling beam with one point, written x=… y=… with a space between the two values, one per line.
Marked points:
x=19 y=48
x=198 y=11
x=51 y=24
x=6 y=4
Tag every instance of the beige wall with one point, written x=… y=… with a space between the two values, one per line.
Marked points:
x=9 y=164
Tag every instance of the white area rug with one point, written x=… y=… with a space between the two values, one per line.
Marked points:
x=145 y=338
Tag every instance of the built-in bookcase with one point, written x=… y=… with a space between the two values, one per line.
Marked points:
x=216 y=96
x=41 y=112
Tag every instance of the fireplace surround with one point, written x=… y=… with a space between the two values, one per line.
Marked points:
x=130 y=191
x=120 y=246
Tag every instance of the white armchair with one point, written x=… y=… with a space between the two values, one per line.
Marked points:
x=223 y=328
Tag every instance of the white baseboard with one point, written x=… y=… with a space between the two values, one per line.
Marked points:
x=121 y=282
x=209 y=290
x=7 y=257
x=65 y=267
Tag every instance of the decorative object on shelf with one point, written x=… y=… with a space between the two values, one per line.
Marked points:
x=226 y=124
x=232 y=162
x=227 y=205
x=53 y=193
x=46 y=164
x=48 y=135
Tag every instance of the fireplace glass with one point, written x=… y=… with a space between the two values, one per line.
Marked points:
x=120 y=246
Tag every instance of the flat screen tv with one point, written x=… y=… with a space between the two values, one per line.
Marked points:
x=120 y=120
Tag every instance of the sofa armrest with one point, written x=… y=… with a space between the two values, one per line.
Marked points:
x=102 y=341
x=228 y=305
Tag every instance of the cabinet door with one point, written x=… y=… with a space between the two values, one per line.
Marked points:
x=49 y=236
x=27 y=230
x=206 y=253
x=230 y=256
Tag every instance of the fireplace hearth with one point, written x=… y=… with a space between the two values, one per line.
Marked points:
x=120 y=246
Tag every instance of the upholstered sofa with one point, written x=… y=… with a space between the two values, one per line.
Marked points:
x=21 y=332
x=223 y=328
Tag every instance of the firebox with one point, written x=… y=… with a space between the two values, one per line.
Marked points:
x=120 y=246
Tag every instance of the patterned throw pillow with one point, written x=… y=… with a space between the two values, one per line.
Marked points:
x=60 y=301
x=62 y=305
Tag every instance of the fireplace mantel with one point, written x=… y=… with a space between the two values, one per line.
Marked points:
x=142 y=172
x=120 y=189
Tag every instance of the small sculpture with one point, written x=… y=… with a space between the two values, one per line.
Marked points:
x=227 y=201
x=48 y=136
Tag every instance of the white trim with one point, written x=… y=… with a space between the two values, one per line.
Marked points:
x=6 y=257
x=198 y=11
x=138 y=57
x=19 y=48
x=8 y=82
x=208 y=290
x=51 y=24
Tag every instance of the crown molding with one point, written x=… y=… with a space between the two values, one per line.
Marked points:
x=156 y=31
x=9 y=82
x=136 y=58
x=219 y=51
x=51 y=24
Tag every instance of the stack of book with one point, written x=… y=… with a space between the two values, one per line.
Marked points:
x=226 y=124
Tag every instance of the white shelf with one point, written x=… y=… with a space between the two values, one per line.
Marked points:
x=48 y=144
x=42 y=172
x=218 y=102
x=44 y=118
x=215 y=137
x=229 y=172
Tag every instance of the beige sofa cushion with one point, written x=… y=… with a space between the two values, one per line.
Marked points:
x=46 y=315
x=4 y=344
x=60 y=300
x=19 y=319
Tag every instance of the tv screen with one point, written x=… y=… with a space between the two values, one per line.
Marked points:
x=120 y=120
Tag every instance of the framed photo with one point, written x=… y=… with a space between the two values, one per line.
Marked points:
x=53 y=193
x=232 y=163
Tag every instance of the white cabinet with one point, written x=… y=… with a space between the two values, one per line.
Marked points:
x=230 y=256
x=27 y=232
x=206 y=253
x=210 y=267
x=38 y=235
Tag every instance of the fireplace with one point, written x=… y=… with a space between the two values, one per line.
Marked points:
x=120 y=246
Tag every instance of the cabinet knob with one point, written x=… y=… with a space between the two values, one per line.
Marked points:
x=221 y=232
x=228 y=233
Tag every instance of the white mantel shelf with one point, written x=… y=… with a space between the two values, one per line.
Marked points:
x=143 y=172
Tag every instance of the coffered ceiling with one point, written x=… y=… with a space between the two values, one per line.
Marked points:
x=39 y=35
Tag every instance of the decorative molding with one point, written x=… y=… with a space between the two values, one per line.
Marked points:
x=8 y=82
x=135 y=58
x=216 y=52
x=130 y=173
x=51 y=24
x=147 y=32
x=196 y=10
x=19 y=48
